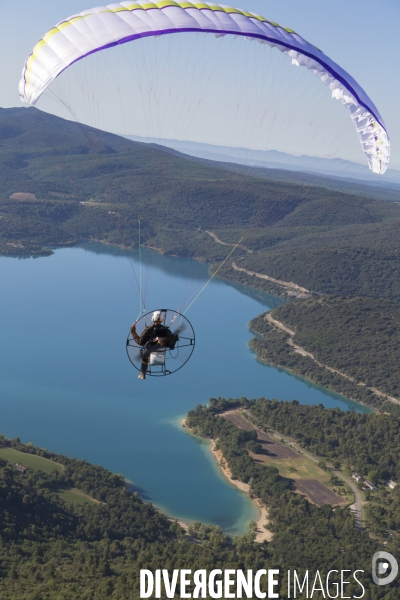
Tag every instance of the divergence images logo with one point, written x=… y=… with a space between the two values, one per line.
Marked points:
x=384 y=563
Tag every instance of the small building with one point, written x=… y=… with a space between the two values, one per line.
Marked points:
x=370 y=486
x=21 y=468
x=357 y=477
x=392 y=484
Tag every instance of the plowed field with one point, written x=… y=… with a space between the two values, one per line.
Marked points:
x=272 y=448
x=316 y=492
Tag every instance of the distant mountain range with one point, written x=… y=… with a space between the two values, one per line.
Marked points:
x=272 y=159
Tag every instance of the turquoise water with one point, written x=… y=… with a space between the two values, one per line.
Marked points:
x=66 y=383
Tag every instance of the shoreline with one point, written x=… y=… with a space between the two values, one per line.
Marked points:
x=284 y=285
x=292 y=372
x=304 y=352
x=262 y=534
x=314 y=383
x=296 y=291
x=48 y=251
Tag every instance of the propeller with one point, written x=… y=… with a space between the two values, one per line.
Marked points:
x=180 y=329
x=135 y=357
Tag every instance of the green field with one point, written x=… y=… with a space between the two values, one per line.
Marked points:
x=299 y=468
x=75 y=496
x=37 y=463
x=305 y=468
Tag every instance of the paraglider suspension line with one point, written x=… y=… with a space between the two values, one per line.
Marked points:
x=142 y=304
x=214 y=274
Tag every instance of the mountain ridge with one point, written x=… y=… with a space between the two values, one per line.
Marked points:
x=274 y=159
x=62 y=182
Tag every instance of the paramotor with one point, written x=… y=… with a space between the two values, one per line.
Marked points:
x=164 y=359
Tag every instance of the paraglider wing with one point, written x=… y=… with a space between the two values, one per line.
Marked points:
x=103 y=27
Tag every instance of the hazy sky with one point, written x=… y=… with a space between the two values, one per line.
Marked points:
x=360 y=35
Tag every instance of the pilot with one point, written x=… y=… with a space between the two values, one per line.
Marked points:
x=154 y=337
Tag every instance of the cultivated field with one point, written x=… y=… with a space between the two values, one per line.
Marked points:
x=317 y=492
x=308 y=478
x=22 y=196
x=271 y=447
x=36 y=463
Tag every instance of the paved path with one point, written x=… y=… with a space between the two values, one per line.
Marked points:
x=355 y=508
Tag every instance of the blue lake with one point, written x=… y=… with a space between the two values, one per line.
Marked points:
x=66 y=383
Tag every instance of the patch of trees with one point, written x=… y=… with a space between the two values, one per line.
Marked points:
x=382 y=513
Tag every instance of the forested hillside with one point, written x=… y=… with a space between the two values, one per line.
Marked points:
x=358 y=337
x=61 y=182
x=63 y=163
x=58 y=544
x=352 y=259
x=72 y=530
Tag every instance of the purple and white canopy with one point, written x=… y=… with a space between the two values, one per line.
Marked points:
x=99 y=28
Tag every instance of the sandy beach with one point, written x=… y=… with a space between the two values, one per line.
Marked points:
x=262 y=534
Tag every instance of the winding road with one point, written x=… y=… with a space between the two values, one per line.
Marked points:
x=303 y=352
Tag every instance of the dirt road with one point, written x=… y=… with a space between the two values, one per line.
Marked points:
x=304 y=352
x=292 y=289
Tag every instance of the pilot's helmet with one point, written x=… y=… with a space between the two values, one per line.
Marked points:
x=158 y=316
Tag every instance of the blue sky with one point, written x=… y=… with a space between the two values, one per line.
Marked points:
x=361 y=35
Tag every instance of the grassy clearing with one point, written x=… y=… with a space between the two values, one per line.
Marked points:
x=299 y=468
x=98 y=204
x=75 y=496
x=37 y=463
x=304 y=468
